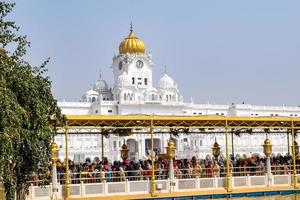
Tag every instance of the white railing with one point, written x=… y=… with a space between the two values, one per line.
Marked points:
x=143 y=186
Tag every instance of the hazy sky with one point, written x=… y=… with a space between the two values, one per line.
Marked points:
x=217 y=51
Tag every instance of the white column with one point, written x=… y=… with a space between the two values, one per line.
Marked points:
x=54 y=182
x=171 y=175
x=269 y=173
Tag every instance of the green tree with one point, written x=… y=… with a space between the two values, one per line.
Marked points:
x=26 y=105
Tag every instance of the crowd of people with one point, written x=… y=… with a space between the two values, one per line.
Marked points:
x=100 y=170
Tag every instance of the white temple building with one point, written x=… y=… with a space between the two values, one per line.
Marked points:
x=134 y=93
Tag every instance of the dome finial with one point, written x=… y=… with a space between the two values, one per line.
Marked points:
x=165 y=69
x=131 y=27
x=100 y=74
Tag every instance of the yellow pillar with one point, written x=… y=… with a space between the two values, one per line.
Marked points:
x=152 y=160
x=294 y=156
x=67 y=184
x=102 y=146
x=288 y=142
x=228 y=175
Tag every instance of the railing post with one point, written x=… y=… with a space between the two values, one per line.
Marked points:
x=197 y=183
x=104 y=187
x=176 y=185
x=289 y=179
x=50 y=186
x=82 y=192
x=31 y=194
x=272 y=180
x=215 y=182
x=248 y=181
x=127 y=186
x=33 y=191
x=59 y=191
x=168 y=184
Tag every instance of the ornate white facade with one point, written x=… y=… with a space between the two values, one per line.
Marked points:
x=133 y=93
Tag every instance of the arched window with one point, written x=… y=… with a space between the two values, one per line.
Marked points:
x=128 y=96
x=93 y=99
x=153 y=97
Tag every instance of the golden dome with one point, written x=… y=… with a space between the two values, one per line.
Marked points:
x=131 y=44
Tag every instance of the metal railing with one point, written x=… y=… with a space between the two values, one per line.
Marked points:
x=162 y=174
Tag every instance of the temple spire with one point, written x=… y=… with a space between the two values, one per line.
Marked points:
x=131 y=27
x=100 y=74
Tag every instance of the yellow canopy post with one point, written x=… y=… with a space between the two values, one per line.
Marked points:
x=294 y=157
x=228 y=174
x=152 y=161
x=67 y=183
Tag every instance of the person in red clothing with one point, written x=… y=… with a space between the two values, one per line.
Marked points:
x=285 y=168
x=148 y=170
x=209 y=170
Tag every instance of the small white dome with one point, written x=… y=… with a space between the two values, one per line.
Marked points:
x=100 y=85
x=166 y=82
x=91 y=92
x=123 y=79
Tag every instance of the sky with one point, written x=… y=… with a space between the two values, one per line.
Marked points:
x=218 y=52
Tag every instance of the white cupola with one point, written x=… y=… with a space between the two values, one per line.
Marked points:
x=166 y=82
x=100 y=85
x=91 y=96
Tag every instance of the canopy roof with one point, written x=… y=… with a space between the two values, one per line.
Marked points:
x=145 y=121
